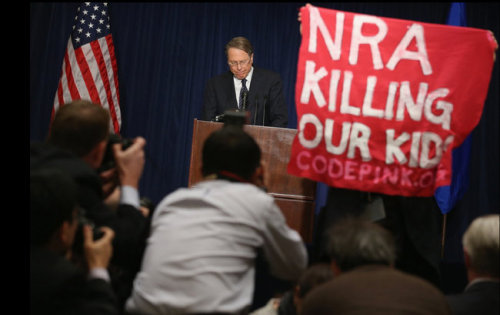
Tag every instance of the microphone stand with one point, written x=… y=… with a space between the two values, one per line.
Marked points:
x=264 y=111
x=256 y=109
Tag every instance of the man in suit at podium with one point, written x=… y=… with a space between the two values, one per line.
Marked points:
x=245 y=87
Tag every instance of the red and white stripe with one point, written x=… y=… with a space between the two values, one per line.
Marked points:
x=90 y=72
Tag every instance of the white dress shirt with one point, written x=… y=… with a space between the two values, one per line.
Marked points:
x=202 y=248
x=129 y=195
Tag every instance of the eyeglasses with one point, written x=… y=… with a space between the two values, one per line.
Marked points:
x=238 y=63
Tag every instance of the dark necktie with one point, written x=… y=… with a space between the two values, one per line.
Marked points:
x=243 y=90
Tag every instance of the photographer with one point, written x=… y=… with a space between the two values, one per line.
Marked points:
x=202 y=254
x=56 y=285
x=77 y=143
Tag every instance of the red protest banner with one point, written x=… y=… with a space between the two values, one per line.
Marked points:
x=381 y=102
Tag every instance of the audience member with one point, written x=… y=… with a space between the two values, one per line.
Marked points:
x=481 y=243
x=77 y=144
x=56 y=285
x=200 y=257
x=245 y=87
x=362 y=255
x=291 y=302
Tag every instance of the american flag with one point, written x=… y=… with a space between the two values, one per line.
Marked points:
x=89 y=69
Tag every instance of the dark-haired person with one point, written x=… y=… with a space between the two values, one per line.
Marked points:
x=481 y=243
x=77 y=144
x=265 y=99
x=365 y=281
x=290 y=303
x=200 y=256
x=57 y=286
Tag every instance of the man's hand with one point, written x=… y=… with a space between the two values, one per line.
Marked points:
x=113 y=200
x=109 y=181
x=492 y=38
x=98 y=253
x=130 y=163
x=261 y=176
x=299 y=18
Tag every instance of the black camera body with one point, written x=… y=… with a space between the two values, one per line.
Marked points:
x=77 y=251
x=108 y=162
x=83 y=220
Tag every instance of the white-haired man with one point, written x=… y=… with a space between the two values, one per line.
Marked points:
x=481 y=243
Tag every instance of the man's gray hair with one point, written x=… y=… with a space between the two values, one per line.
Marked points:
x=481 y=241
x=241 y=43
x=355 y=242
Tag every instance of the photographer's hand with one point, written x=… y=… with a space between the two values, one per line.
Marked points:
x=109 y=179
x=299 y=18
x=130 y=163
x=261 y=176
x=98 y=253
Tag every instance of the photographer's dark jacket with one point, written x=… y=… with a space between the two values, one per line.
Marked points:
x=58 y=287
x=129 y=225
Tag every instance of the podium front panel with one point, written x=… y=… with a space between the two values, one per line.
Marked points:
x=294 y=195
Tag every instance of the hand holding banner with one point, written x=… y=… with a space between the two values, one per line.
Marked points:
x=381 y=102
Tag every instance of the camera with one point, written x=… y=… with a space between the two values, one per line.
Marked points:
x=108 y=161
x=77 y=251
x=83 y=220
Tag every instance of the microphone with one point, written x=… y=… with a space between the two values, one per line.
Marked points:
x=244 y=101
x=219 y=118
x=256 y=109
x=264 y=110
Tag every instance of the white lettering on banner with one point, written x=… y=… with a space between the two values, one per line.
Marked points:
x=371 y=81
x=392 y=148
x=415 y=147
x=391 y=95
x=360 y=134
x=445 y=118
x=429 y=139
x=317 y=23
x=381 y=102
x=334 y=83
x=310 y=119
x=358 y=39
x=342 y=145
x=355 y=136
x=365 y=172
x=311 y=84
x=423 y=104
x=416 y=31
x=345 y=108
x=405 y=98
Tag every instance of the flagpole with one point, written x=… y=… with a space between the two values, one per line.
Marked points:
x=443 y=234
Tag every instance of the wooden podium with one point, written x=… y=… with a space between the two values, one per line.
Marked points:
x=294 y=195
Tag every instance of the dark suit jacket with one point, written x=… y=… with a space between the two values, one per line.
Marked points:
x=127 y=222
x=479 y=298
x=59 y=287
x=373 y=289
x=266 y=102
x=130 y=226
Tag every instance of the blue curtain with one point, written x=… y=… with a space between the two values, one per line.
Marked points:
x=167 y=51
